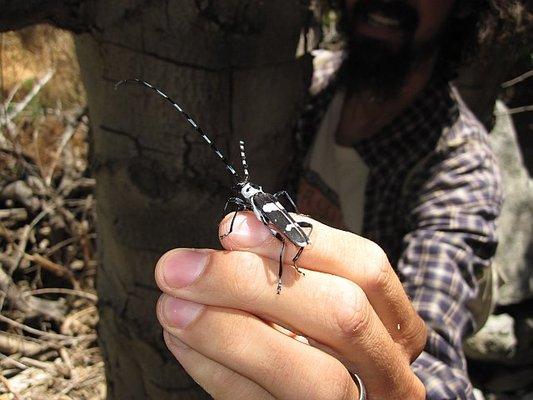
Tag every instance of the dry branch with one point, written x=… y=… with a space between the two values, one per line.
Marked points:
x=80 y=293
x=518 y=79
x=18 y=107
x=72 y=125
x=31 y=306
x=56 y=269
x=11 y=344
x=17 y=214
x=9 y=388
x=516 y=110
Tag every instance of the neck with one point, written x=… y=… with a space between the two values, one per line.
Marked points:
x=363 y=117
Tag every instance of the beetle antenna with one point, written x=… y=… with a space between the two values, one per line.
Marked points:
x=244 y=165
x=191 y=122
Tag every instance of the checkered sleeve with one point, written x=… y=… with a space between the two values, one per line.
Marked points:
x=453 y=205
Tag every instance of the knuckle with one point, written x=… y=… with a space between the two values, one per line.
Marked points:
x=412 y=388
x=351 y=314
x=329 y=380
x=377 y=270
x=415 y=339
x=419 y=390
x=412 y=340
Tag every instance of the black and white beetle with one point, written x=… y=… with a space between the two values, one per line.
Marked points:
x=266 y=207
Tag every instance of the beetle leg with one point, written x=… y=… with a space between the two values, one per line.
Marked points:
x=234 y=200
x=278 y=236
x=280 y=271
x=305 y=224
x=295 y=258
x=288 y=197
x=302 y=224
x=242 y=206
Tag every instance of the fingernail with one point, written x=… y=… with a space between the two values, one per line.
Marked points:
x=182 y=267
x=180 y=313
x=251 y=231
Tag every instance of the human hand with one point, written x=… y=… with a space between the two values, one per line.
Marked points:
x=237 y=338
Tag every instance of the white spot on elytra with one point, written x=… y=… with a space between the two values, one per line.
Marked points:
x=269 y=207
x=290 y=227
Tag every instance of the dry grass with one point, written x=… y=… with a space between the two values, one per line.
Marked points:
x=27 y=54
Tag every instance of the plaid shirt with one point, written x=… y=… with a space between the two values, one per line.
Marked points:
x=430 y=202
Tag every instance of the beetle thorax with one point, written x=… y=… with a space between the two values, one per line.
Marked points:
x=249 y=190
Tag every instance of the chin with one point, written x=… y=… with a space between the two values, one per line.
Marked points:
x=373 y=66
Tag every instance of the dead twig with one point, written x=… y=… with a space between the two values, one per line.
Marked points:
x=30 y=377
x=75 y=320
x=18 y=107
x=31 y=306
x=58 y=270
x=6 y=383
x=17 y=214
x=14 y=262
x=11 y=95
x=43 y=334
x=10 y=361
x=518 y=79
x=19 y=253
x=70 y=130
x=87 y=376
x=66 y=242
x=515 y=110
x=6 y=233
x=67 y=361
x=44 y=365
x=74 y=292
x=11 y=344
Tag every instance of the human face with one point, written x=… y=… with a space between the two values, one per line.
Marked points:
x=387 y=39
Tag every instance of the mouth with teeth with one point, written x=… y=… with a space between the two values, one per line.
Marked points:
x=384 y=17
x=378 y=20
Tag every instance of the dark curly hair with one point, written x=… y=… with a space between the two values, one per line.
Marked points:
x=475 y=24
x=472 y=25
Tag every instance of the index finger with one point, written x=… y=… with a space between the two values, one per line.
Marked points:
x=340 y=253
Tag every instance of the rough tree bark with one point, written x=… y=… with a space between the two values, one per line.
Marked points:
x=232 y=65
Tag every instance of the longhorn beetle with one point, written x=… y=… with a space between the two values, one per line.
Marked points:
x=266 y=207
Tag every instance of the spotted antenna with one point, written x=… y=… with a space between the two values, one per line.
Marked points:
x=204 y=136
x=244 y=165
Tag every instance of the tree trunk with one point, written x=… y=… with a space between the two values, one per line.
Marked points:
x=232 y=66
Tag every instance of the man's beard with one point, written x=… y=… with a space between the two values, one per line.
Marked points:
x=372 y=68
x=375 y=67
